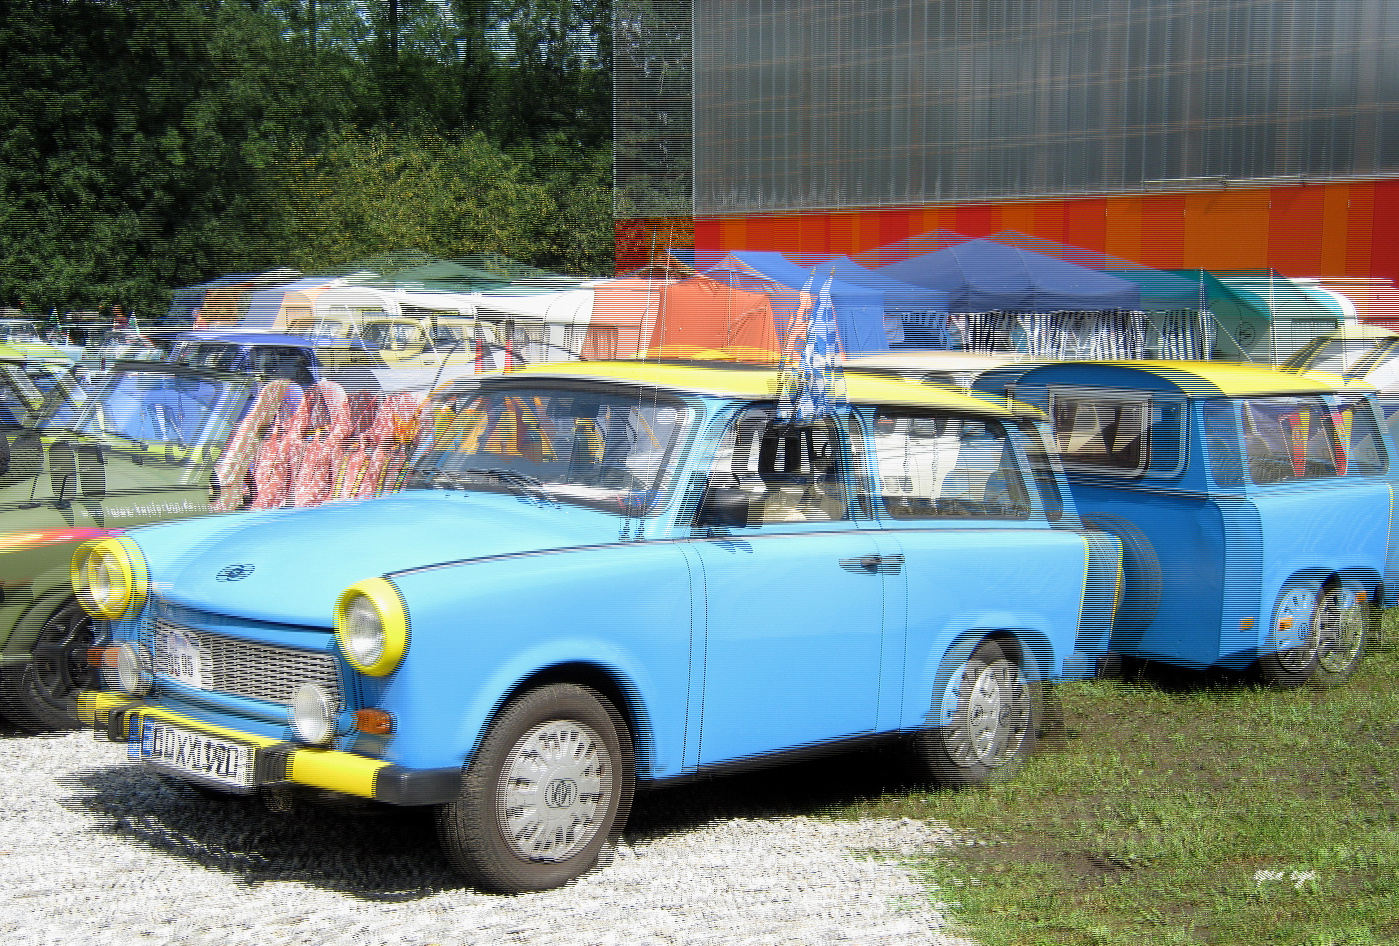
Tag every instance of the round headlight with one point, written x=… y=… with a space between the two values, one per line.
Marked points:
x=133 y=669
x=364 y=632
x=371 y=625
x=313 y=715
x=110 y=578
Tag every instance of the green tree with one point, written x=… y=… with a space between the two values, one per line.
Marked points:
x=364 y=194
x=133 y=137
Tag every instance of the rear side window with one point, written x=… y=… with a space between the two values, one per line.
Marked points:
x=1303 y=438
x=1102 y=434
x=934 y=465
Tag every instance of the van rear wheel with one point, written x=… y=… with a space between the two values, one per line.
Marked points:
x=1294 y=666
x=1344 y=628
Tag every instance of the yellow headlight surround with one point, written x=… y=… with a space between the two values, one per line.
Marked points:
x=116 y=565
x=393 y=615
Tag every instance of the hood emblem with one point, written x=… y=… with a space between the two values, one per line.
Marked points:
x=234 y=572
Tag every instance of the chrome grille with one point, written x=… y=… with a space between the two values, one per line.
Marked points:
x=256 y=671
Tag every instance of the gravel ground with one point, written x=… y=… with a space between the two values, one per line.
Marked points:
x=93 y=848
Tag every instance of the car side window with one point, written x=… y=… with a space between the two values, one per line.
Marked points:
x=937 y=465
x=1359 y=446
x=1291 y=438
x=765 y=472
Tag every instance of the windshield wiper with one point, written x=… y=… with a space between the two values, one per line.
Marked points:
x=460 y=479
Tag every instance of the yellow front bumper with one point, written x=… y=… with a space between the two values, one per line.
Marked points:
x=280 y=763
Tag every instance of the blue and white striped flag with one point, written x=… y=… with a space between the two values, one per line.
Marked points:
x=808 y=385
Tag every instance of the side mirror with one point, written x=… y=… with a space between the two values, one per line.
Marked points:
x=24 y=454
x=724 y=507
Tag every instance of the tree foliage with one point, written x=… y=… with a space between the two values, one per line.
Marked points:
x=149 y=144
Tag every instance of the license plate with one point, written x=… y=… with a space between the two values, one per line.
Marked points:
x=194 y=755
x=184 y=660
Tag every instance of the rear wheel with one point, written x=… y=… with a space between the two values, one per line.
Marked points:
x=39 y=696
x=1294 y=666
x=1343 y=630
x=550 y=784
x=993 y=725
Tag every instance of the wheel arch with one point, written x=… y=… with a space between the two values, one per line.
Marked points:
x=20 y=638
x=607 y=681
x=1030 y=648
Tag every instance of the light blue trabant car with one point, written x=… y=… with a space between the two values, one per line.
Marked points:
x=1255 y=507
x=609 y=574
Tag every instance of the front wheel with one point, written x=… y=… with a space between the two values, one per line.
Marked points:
x=39 y=696
x=550 y=784
x=993 y=724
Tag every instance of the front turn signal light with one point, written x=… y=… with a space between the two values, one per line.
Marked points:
x=374 y=722
x=110 y=578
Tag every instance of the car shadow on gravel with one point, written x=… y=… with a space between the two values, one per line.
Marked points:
x=382 y=853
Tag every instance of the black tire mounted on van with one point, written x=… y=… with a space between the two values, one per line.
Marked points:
x=550 y=785
x=994 y=725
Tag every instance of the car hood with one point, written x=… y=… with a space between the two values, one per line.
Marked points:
x=290 y=566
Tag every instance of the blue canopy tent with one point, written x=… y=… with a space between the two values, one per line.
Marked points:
x=859 y=310
x=986 y=276
x=1005 y=297
x=914 y=316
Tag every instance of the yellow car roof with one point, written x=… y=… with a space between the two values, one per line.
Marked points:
x=761 y=383
x=1231 y=379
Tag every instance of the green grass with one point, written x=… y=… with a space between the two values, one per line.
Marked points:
x=1185 y=808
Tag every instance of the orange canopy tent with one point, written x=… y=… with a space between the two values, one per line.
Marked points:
x=696 y=317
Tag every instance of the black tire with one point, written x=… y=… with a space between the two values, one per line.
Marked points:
x=1294 y=666
x=976 y=749
x=1345 y=626
x=39 y=696
x=515 y=845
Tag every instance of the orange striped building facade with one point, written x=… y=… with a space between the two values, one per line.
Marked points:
x=1344 y=229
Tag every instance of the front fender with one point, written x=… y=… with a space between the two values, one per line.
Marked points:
x=480 y=628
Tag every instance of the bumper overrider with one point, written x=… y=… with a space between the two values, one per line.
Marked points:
x=280 y=764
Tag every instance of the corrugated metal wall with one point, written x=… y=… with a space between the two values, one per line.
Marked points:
x=831 y=104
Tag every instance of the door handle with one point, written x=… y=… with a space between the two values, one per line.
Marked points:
x=873 y=564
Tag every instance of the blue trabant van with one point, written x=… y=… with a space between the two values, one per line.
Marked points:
x=608 y=574
x=1255 y=507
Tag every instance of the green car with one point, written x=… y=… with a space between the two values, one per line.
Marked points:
x=138 y=444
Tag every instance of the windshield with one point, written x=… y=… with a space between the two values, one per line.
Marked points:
x=1337 y=355
x=18 y=396
x=20 y=331
x=605 y=448
x=177 y=414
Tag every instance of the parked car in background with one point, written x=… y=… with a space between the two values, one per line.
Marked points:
x=1254 y=506
x=602 y=574
x=1354 y=351
x=299 y=359
x=30 y=338
x=939 y=367
x=149 y=442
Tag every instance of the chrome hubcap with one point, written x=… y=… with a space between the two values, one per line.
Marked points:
x=1341 y=622
x=996 y=715
x=554 y=789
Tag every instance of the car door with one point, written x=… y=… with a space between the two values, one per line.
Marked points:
x=794 y=586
